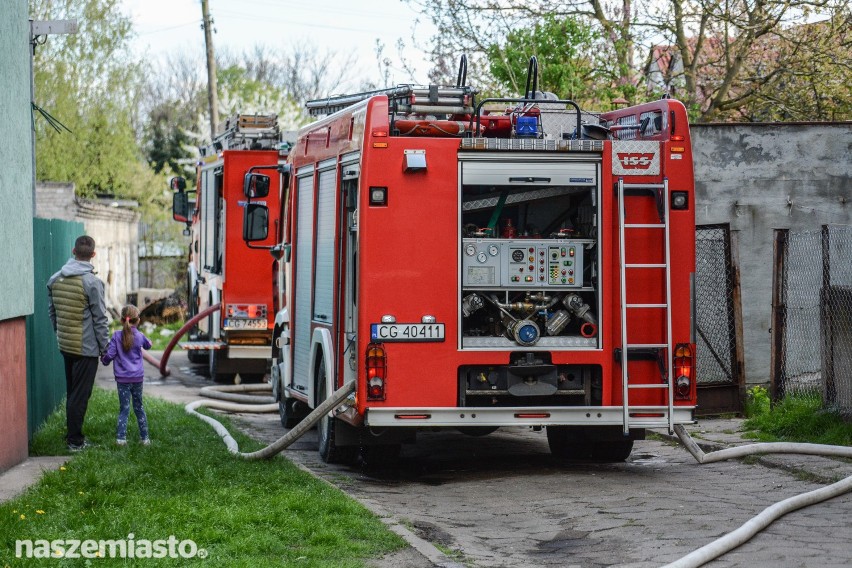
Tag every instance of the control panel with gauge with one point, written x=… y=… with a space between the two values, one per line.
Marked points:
x=522 y=263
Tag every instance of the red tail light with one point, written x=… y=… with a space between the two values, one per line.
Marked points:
x=684 y=370
x=376 y=363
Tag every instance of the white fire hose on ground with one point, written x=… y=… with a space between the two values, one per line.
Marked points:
x=734 y=539
x=249 y=403
x=231 y=400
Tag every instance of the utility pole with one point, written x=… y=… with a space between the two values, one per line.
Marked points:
x=212 y=98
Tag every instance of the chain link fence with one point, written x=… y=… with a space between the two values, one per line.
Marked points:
x=812 y=316
x=714 y=306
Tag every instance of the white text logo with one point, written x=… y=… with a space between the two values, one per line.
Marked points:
x=118 y=548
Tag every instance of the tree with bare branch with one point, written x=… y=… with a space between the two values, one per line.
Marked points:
x=720 y=58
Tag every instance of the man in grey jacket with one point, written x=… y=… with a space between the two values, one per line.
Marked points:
x=78 y=312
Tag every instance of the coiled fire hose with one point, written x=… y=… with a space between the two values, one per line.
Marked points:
x=228 y=392
x=741 y=535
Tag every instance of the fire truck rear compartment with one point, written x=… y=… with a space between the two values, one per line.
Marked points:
x=529 y=255
x=529 y=379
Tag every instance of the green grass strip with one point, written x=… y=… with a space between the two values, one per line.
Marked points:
x=799 y=419
x=266 y=513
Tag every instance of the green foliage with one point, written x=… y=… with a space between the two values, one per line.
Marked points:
x=564 y=48
x=90 y=82
x=260 y=513
x=169 y=146
x=758 y=402
x=161 y=335
x=800 y=419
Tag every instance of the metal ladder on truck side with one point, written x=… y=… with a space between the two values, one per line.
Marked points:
x=661 y=192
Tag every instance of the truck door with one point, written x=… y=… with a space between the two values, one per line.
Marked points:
x=349 y=268
x=302 y=293
x=212 y=243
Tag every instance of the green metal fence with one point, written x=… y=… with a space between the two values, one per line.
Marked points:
x=52 y=243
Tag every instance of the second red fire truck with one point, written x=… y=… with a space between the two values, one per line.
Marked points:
x=482 y=264
x=236 y=338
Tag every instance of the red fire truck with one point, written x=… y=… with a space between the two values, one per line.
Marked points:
x=221 y=271
x=483 y=264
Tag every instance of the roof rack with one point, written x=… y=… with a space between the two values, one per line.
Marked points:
x=431 y=99
x=246 y=132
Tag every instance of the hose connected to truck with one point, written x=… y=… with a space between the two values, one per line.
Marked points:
x=164 y=370
x=336 y=399
x=743 y=534
x=230 y=400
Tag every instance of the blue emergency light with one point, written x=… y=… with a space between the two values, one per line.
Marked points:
x=526 y=127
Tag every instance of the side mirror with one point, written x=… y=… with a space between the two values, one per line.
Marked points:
x=177 y=184
x=180 y=207
x=256 y=185
x=255 y=222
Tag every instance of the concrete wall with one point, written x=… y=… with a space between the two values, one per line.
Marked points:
x=761 y=177
x=16 y=232
x=116 y=234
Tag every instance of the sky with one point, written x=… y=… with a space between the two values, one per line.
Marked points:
x=164 y=26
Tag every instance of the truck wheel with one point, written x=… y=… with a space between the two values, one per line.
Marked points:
x=329 y=451
x=286 y=406
x=215 y=375
x=198 y=356
x=570 y=444
x=252 y=377
x=287 y=412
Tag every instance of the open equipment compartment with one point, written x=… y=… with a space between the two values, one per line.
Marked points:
x=530 y=228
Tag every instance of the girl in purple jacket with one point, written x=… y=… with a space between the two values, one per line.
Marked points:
x=125 y=349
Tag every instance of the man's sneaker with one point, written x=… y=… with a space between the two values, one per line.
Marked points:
x=121 y=442
x=146 y=441
x=80 y=447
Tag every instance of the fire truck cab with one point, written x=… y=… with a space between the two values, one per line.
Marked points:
x=221 y=271
x=485 y=264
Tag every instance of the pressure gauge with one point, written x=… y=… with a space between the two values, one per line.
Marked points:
x=470 y=249
x=482 y=257
x=493 y=250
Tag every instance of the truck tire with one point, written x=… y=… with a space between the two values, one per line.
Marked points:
x=198 y=356
x=329 y=451
x=288 y=412
x=286 y=406
x=215 y=375
x=247 y=378
x=569 y=444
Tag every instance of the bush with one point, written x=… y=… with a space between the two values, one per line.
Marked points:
x=758 y=402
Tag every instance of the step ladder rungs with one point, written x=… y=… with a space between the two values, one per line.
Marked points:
x=659 y=192
x=644 y=186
